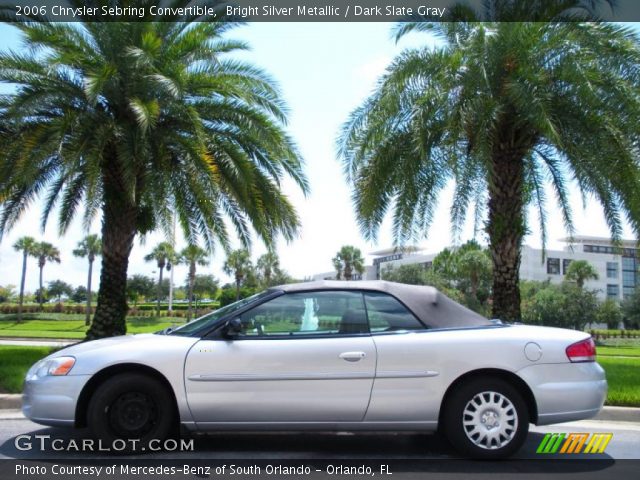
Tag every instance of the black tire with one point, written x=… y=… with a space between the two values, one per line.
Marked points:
x=486 y=403
x=132 y=407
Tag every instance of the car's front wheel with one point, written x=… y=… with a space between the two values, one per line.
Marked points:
x=486 y=418
x=132 y=407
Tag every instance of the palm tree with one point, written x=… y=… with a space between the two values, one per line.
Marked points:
x=238 y=264
x=89 y=247
x=348 y=260
x=268 y=266
x=161 y=254
x=193 y=256
x=474 y=265
x=26 y=246
x=136 y=121
x=44 y=252
x=580 y=271
x=499 y=109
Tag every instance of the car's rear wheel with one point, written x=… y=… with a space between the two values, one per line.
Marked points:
x=134 y=408
x=486 y=418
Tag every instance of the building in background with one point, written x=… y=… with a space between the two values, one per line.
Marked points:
x=618 y=266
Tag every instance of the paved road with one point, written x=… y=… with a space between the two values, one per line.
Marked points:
x=624 y=445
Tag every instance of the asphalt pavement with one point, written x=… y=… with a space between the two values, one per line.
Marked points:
x=344 y=445
x=319 y=456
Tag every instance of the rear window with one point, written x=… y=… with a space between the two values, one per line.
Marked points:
x=386 y=314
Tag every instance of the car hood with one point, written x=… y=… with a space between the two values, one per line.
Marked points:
x=119 y=341
x=145 y=349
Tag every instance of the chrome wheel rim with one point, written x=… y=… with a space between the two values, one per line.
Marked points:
x=490 y=420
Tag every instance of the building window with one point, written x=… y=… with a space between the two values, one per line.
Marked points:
x=553 y=266
x=628 y=263
x=565 y=265
x=612 y=270
x=627 y=292
x=629 y=273
x=613 y=291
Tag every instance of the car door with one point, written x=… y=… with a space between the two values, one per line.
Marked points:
x=405 y=363
x=300 y=357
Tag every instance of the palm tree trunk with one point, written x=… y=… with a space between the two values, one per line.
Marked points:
x=506 y=229
x=173 y=267
x=118 y=233
x=41 y=295
x=22 y=280
x=192 y=279
x=348 y=275
x=87 y=320
x=237 y=290
x=159 y=292
x=170 y=307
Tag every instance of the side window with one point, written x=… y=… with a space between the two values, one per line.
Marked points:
x=386 y=314
x=307 y=313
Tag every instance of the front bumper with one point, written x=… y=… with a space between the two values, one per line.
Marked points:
x=52 y=400
x=567 y=391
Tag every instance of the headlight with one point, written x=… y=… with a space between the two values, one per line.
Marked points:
x=51 y=367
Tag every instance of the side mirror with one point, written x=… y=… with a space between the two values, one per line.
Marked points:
x=232 y=328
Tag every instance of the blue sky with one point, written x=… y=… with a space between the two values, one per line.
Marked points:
x=324 y=70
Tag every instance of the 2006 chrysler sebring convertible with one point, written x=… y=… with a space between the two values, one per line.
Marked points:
x=326 y=356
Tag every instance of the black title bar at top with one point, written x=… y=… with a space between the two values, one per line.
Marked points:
x=319 y=10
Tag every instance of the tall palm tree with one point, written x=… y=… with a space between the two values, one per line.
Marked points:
x=161 y=254
x=348 y=260
x=499 y=110
x=89 y=247
x=193 y=256
x=136 y=121
x=238 y=264
x=26 y=246
x=44 y=252
x=580 y=271
x=268 y=266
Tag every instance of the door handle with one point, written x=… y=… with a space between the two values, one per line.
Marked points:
x=352 y=356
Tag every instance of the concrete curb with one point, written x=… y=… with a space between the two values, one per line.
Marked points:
x=619 y=414
x=608 y=414
x=10 y=402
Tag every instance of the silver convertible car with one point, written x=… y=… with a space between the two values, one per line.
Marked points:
x=326 y=356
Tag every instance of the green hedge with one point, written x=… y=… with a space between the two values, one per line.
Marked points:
x=47 y=308
x=144 y=310
x=143 y=307
x=605 y=334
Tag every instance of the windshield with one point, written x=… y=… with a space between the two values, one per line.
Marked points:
x=212 y=318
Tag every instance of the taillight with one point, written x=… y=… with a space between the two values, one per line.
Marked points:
x=583 y=351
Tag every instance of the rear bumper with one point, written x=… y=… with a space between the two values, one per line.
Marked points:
x=52 y=400
x=566 y=391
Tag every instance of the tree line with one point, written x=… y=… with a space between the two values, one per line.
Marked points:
x=238 y=264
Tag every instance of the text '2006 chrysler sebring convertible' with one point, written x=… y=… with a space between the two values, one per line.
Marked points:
x=327 y=355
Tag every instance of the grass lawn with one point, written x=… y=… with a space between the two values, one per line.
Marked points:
x=623 y=376
x=621 y=351
x=72 y=326
x=14 y=363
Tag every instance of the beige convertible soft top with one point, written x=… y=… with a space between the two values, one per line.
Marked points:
x=432 y=307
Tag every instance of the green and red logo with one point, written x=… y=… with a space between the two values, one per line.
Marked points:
x=574 y=443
